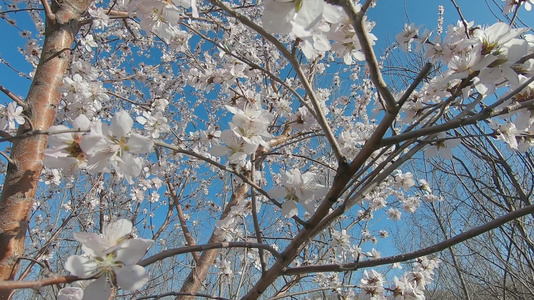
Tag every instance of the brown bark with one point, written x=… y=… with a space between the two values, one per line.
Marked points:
x=199 y=272
x=22 y=176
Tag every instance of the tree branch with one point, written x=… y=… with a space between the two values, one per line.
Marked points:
x=415 y=254
x=198 y=248
x=14 y=97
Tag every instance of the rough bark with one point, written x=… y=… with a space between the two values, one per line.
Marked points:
x=22 y=176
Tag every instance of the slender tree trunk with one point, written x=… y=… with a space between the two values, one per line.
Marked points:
x=198 y=274
x=23 y=173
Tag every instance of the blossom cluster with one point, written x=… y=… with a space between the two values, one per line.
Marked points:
x=97 y=147
x=301 y=188
x=111 y=258
x=10 y=117
x=480 y=60
x=315 y=23
x=248 y=131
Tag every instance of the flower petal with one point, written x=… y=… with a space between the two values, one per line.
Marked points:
x=131 y=251
x=139 y=144
x=116 y=230
x=131 y=278
x=93 y=143
x=98 y=289
x=289 y=209
x=121 y=124
x=92 y=242
x=81 y=266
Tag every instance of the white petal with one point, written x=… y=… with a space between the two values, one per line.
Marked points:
x=93 y=241
x=131 y=278
x=99 y=162
x=289 y=209
x=129 y=164
x=431 y=151
x=98 y=289
x=139 y=144
x=81 y=122
x=116 y=230
x=218 y=151
x=277 y=15
x=131 y=251
x=445 y=152
x=121 y=124
x=310 y=13
x=308 y=205
x=56 y=140
x=93 y=143
x=81 y=266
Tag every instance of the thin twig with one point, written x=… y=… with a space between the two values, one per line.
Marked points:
x=257 y=228
x=14 y=97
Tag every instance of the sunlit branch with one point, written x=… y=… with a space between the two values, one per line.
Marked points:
x=9 y=160
x=420 y=77
x=415 y=254
x=50 y=16
x=36 y=284
x=14 y=97
x=185 y=230
x=358 y=22
x=254 y=209
x=466 y=27
x=198 y=248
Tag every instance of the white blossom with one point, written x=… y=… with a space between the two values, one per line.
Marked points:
x=111 y=257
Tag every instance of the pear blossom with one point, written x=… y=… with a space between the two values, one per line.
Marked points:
x=236 y=147
x=65 y=151
x=372 y=285
x=298 y=17
x=394 y=214
x=100 y=17
x=112 y=258
x=10 y=115
x=443 y=147
x=425 y=186
x=407 y=36
x=88 y=42
x=155 y=123
x=298 y=188
x=404 y=180
x=112 y=147
x=251 y=123
x=508 y=133
x=157 y=16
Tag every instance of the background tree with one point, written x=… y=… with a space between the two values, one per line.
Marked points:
x=251 y=149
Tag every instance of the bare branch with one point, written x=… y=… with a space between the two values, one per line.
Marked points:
x=14 y=97
x=415 y=254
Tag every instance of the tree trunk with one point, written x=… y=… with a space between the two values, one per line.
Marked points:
x=198 y=274
x=43 y=98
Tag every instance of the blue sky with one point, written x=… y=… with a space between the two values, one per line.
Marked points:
x=390 y=16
